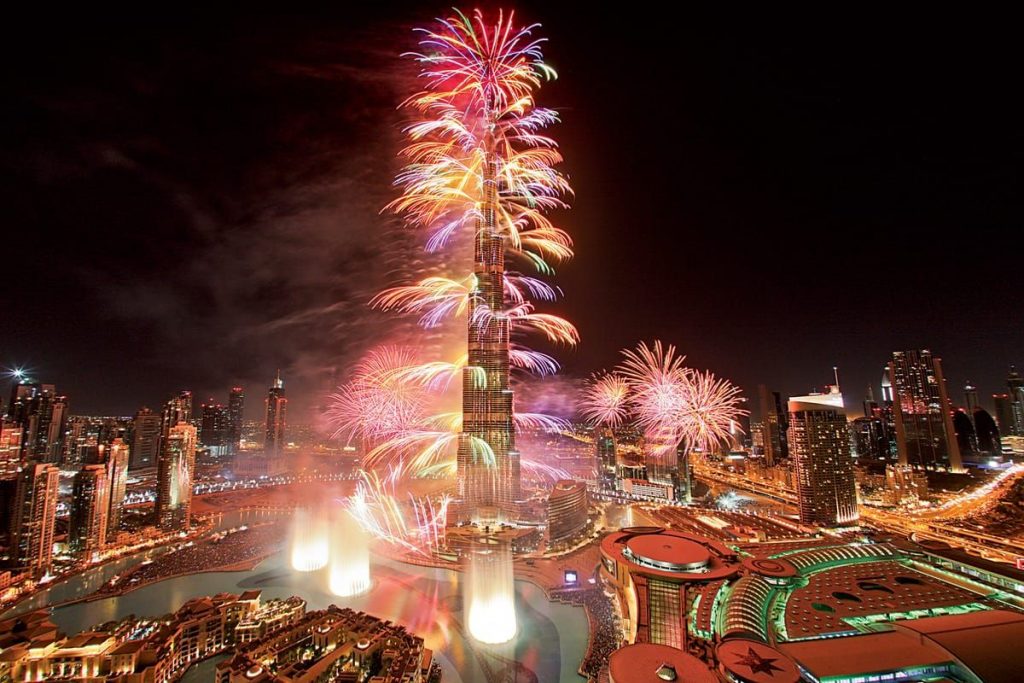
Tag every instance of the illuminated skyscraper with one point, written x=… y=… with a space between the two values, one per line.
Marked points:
x=176 y=411
x=1004 y=413
x=970 y=397
x=90 y=498
x=10 y=449
x=214 y=428
x=606 y=458
x=34 y=516
x=42 y=415
x=115 y=458
x=922 y=412
x=773 y=424
x=236 y=413
x=820 y=447
x=276 y=423
x=487 y=459
x=1015 y=385
x=174 y=478
x=145 y=440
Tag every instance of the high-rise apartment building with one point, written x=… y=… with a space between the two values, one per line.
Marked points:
x=236 y=413
x=42 y=415
x=276 y=422
x=174 y=478
x=145 y=441
x=176 y=411
x=10 y=449
x=970 y=397
x=33 y=517
x=214 y=427
x=922 y=413
x=90 y=498
x=1015 y=387
x=820 y=449
x=116 y=457
x=607 y=460
x=773 y=424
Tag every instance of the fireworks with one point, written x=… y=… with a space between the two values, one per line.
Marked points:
x=605 y=401
x=670 y=402
x=417 y=525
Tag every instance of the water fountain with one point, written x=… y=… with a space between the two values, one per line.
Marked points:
x=489 y=593
x=310 y=547
x=349 y=572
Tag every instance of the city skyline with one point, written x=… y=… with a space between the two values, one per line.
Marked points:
x=763 y=209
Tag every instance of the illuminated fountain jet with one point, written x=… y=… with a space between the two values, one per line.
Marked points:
x=490 y=593
x=310 y=547
x=349 y=572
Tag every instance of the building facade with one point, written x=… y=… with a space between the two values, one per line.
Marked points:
x=922 y=412
x=34 y=516
x=276 y=420
x=568 y=505
x=90 y=500
x=174 y=478
x=819 y=446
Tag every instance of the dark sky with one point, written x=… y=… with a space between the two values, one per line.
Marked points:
x=191 y=200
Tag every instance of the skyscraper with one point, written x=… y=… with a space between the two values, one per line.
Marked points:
x=276 y=422
x=923 y=416
x=987 y=432
x=869 y=439
x=145 y=442
x=42 y=414
x=607 y=460
x=1015 y=385
x=10 y=449
x=1004 y=413
x=487 y=459
x=115 y=458
x=176 y=411
x=820 y=448
x=90 y=498
x=174 y=478
x=34 y=516
x=773 y=424
x=970 y=397
x=236 y=413
x=214 y=427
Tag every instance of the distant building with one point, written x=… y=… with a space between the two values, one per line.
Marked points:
x=42 y=415
x=236 y=414
x=276 y=422
x=963 y=427
x=176 y=411
x=174 y=478
x=34 y=516
x=606 y=458
x=1015 y=387
x=970 y=397
x=773 y=425
x=10 y=449
x=923 y=414
x=904 y=484
x=1005 y=417
x=820 y=450
x=116 y=457
x=215 y=427
x=869 y=438
x=648 y=489
x=90 y=499
x=987 y=432
x=145 y=441
x=568 y=505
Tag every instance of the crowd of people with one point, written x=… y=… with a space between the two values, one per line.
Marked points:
x=221 y=551
x=605 y=633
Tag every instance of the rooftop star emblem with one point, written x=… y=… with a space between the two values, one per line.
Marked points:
x=758 y=664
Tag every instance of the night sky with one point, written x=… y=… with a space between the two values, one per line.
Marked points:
x=192 y=200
